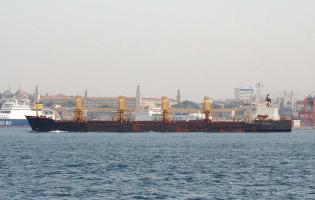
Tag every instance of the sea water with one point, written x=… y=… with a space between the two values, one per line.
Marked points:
x=156 y=165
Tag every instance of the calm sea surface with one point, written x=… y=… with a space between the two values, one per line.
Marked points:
x=156 y=165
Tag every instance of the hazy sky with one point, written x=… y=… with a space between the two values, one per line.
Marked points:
x=201 y=47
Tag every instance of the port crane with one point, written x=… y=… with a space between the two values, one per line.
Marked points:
x=309 y=110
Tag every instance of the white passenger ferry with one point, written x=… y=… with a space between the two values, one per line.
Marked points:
x=12 y=114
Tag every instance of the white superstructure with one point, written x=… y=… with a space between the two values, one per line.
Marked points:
x=15 y=110
x=148 y=115
x=155 y=114
x=264 y=108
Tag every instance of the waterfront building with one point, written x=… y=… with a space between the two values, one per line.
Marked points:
x=246 y=94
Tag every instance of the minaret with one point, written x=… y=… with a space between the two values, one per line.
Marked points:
x=85 y=94
x=138 y=97
x=20 y=91
x=291 y=99
x=178 y=97
x=85 y=98
x=10 y=93
x=36 y=95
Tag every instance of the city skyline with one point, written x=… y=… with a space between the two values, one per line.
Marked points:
x=202 y=49
x=174 y=97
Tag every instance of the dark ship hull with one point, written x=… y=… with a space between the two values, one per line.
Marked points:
x=41 y=124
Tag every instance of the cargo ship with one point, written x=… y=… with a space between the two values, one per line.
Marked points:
x=80 y=124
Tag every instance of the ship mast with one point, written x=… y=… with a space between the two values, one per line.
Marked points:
x=38 y=105
x=259 y=87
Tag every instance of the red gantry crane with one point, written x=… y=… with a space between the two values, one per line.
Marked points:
x=309 y=110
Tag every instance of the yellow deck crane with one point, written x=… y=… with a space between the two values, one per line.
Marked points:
x=165 y=109
x=206 y=108
x=38 y=107
x=78 y=114
x=122 y=109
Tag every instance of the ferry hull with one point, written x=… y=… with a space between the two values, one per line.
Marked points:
x=40 y=124
x=4 y=123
